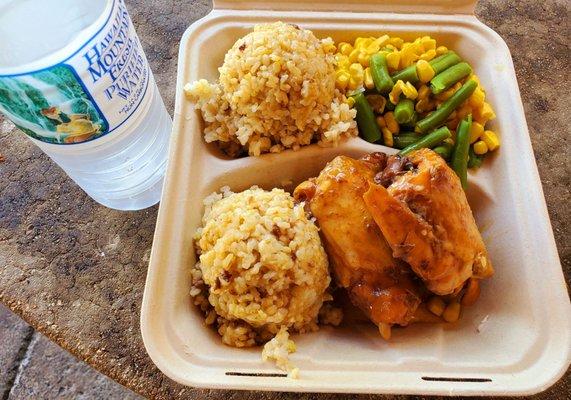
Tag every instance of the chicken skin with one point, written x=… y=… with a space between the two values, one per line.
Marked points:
x=424 y=215
x=384 y=288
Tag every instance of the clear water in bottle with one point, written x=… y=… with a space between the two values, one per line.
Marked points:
x=75 y=79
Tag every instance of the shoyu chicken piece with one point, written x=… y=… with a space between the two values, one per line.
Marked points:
x=362 y=262
x=424 y=215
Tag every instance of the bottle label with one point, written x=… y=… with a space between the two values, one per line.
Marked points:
x=91 y=93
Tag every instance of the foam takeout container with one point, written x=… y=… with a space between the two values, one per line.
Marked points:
x=515 y=340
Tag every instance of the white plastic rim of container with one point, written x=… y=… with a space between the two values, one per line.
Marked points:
x=516 y=340
x=74 y=78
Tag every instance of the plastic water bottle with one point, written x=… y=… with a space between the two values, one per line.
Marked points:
x=74 y=78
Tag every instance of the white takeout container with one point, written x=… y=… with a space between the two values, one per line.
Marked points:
x=515 y=340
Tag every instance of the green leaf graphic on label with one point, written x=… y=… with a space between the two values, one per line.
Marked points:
x=51 y=106
x=19 y=98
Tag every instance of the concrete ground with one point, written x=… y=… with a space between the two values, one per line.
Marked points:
x=33 y=367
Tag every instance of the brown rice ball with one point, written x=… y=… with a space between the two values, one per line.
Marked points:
x=276 y=91
x=261 y=267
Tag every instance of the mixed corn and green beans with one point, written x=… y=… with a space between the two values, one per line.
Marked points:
x=410 y=95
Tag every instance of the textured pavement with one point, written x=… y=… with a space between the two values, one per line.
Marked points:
x=15 y=336
x=37 y=368
x=76 y=270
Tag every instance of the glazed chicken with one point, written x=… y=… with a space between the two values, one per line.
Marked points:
x=384 y=288
x=397 y=230
x=424 y=215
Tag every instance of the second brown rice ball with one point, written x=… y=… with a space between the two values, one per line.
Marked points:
x=261 y=266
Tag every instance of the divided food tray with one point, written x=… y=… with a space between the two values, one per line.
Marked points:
x=515 y=340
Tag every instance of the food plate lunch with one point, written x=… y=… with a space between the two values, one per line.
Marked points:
x=344 y=211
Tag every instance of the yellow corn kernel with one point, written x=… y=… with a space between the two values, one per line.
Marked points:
x=428 y=43
x=387 y=137
x=449 y=92
x=478 y=117
x=381 y=41
x=342 y=80
x=407 y=47
x=356 y=70
x=368 y=79
x=407 y=89
x=354 y=56
x=452 y=312
x=491 y=139
x=341 y=83
x=436 y=305
x=345 y=48
x=396 y=42
x=367 y=42
x=392 y=124
x=441 y=50
x=350 y=101
x=480 y=147
x=423 y=92
x=413 y=47
x=362 y=42
x=341 y=71
x=390 y=46
x=424 y=71
x=393 y=60
x=344 y=64
x=363 y=59
x=410 y=91
x=373 y=48
x=419 y=47
x=475 y=78
x=342 y=61
x=429 y=55
x=407 y=57
x=354 y=83
x=487 y=112
x=381 y=122
x=476 y=131
x=396 y=92
x=411 y=60
x=476 y=100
